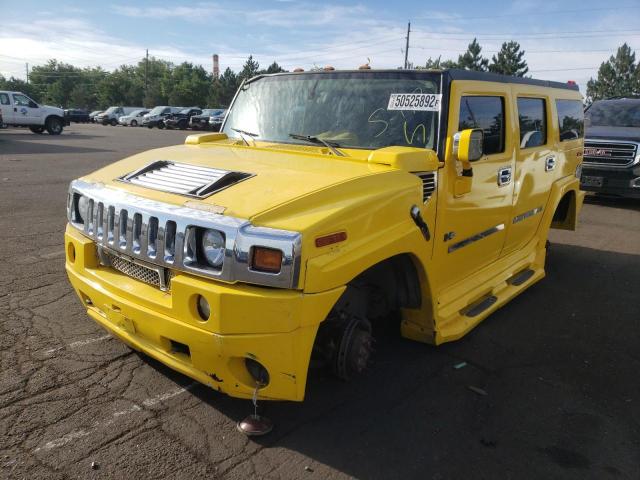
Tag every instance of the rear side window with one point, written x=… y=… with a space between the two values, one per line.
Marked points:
x=532 y=118
x=486 y=113
x=570 y=119
x=4 y=99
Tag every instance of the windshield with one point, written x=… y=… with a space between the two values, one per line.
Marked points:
x=135 y=113
x=352 y=109
x=614 y=113
x=110 y=109
x=213 y=112
x=157 y=110
x=185 y=111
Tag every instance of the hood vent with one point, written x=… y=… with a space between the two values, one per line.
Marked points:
x=428 y=184
x=184 y=179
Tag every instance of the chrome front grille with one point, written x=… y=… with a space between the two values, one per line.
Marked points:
x=183 y=178
x=610 y=153
x=165 y=235
x=428 y=184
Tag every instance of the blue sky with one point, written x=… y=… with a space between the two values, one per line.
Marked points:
x=569 y=44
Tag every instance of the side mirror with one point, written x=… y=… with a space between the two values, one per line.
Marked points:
x=467 y=145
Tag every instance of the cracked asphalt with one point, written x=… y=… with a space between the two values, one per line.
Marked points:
x=559 y=365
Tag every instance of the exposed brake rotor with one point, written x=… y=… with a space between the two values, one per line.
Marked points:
x=354 y=350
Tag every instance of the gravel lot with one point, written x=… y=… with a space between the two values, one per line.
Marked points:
x=560 y=365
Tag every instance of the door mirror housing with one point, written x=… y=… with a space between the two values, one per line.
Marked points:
x=467 y=145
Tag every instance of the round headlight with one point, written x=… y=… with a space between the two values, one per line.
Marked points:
x=83 y=203
x=213 y=247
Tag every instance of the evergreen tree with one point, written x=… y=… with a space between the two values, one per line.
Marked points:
x=617 y=77
x=510 y=60
x=438 y=64
x=274 y=68
x=472 y=58
x=250 y=69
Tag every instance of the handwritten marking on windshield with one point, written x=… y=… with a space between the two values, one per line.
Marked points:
x=410 y=140
x=372 y=120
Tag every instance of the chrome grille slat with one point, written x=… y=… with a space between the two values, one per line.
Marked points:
x=183 y=179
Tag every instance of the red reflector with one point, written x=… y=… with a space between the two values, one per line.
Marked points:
x=331 y=239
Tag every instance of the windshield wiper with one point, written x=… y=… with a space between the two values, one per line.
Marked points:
x=244 y=134
x=313 y=139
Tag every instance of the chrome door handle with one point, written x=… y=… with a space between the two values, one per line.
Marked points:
x=550 y=164
x=504 y=176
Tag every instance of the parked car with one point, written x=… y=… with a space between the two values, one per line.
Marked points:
x=93 y=115
x=134 y=118
x=611 y=163
x=215 y=121
x=203 y=121
x=21 y=111
x=181 y=119
x=421 y=208
x=76 y=115
x=156 y=117
x=111 y=115
x=2 y=125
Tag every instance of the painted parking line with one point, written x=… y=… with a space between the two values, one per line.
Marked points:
x=79 y=343
x=147 y=402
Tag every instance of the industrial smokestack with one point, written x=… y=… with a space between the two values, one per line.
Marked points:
x=216 y=66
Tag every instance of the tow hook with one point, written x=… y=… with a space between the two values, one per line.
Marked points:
x=419 y=221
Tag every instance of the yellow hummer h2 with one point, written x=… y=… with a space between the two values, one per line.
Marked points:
x=329 y=201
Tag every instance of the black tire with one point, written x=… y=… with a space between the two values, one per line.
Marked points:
x=54 y=125
x=134 y=123
x=182 y=125
x=113 y=122
x=195 y=127
x=161 y=125
x=37 y=130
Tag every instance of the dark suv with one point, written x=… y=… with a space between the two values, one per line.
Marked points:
x=181 y=119
x=612 y=148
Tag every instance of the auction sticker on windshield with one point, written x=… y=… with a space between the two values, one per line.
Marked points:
x=429 y=102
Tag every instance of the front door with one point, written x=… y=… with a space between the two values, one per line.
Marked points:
x=470 y=230
x=25 y=110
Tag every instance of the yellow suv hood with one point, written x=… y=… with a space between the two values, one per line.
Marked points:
x=280 y=175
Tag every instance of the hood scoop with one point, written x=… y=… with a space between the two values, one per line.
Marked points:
x=183 y=178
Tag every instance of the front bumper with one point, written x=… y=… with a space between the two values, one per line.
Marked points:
x=275 y=327
x=623 y=182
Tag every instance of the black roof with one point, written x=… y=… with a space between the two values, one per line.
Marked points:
x=454 y=74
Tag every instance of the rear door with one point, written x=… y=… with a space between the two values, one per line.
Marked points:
x=6 y=107
x=535 y=166
x=470 y=229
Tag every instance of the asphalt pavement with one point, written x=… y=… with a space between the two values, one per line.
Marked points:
x=555 y=373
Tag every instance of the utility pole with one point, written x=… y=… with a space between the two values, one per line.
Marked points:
x=146 y=73
x=406 y=48
x=27 y=72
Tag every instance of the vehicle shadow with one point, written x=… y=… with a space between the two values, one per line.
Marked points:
x=613 y=201
x=541 y=389
x=17 y=142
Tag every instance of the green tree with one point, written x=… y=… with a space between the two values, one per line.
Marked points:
x=223 y=89
x=438 y=64
x=274 y=68
x=250 y=69
x=510 y=60
x=472 y=59
x=617 y=77
x=189 y=85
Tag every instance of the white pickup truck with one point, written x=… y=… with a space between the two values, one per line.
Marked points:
x=20 y=111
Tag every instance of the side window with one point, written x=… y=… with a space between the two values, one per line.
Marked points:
x=532 y=117
x=20 y=100
x=570 y=119
x=486 y=113
x=4 y=99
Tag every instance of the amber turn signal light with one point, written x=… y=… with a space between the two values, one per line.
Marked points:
x=331 y=239
x=266 y=260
